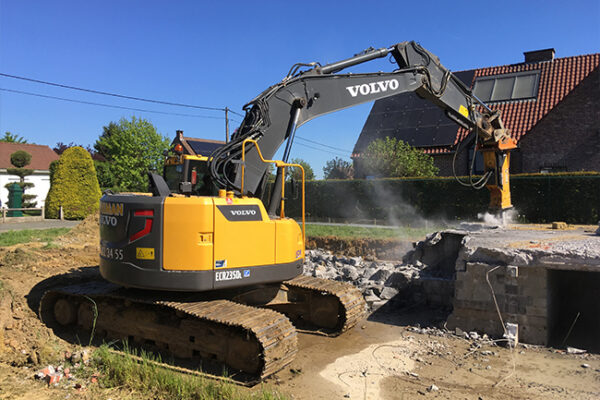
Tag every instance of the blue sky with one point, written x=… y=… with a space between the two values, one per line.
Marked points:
x=224 y=54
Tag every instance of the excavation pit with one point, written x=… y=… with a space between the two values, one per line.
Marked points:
x=573 y=309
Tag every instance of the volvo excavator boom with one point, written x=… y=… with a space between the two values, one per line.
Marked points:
x=274 y=115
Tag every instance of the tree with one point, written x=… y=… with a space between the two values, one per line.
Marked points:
x=296 y=174
x=20 y=159
x=74 y=186
x=60 y=148
x=391 y=157
x=10 y=138
x=338 y=169
x=130 y=148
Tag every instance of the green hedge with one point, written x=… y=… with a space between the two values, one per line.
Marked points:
x=539 y=198
x=74 y=186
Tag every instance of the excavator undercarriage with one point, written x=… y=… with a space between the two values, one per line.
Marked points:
x=248 y=331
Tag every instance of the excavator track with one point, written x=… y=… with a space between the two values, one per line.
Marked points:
x=254 y=342
x=332 y=306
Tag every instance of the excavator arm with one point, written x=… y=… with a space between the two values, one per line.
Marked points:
x=273 y=116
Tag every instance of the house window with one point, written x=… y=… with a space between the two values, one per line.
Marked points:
x=507 y=87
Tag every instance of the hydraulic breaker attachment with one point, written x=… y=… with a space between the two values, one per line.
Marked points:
x=496 y=161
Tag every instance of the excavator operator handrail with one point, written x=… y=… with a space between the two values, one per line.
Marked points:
x=278 y=163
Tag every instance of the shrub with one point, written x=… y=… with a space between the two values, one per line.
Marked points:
x=52 y=167
x=390 y=157
x=338 y=169
x=74 y=186
x=20 y=158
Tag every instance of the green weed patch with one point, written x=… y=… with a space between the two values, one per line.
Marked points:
x=31 y=235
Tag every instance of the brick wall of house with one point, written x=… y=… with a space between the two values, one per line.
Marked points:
x=568 y=138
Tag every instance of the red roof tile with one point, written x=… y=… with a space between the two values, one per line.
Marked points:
x=436 y=150
x=41 y=155
x=557 y=79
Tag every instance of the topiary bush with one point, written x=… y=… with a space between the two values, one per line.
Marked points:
x=20 y=158
x=74 y=186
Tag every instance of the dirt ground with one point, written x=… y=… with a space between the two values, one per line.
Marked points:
x=384 y=357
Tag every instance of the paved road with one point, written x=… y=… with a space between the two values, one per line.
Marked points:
x=47 y=224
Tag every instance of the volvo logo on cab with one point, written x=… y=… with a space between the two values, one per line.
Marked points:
x=373 y=87
x=242 y=212
x=238 y=212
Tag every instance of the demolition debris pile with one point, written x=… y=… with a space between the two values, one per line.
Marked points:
x=379 y=281
x=424 y=275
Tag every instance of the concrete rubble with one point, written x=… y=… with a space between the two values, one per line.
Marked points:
x=481 y=271
x=379 y=281
x=425 y=274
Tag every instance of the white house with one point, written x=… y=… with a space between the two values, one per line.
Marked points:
x=41 y=157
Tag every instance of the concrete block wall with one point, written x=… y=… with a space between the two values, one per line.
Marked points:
x=439 y=292
x=522 y=299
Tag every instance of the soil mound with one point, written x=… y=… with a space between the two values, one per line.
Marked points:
x=85 y=233
x=383 y=249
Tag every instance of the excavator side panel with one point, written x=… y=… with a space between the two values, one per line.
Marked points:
x=246 y=245
x=244 y=234
x=188 y=231
x=290 y=243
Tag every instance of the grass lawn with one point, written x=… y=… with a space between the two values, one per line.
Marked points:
x=145 y=376
x=31 y=235
x=354 y=232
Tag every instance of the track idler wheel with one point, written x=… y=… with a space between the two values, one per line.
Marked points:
x=324 y=313
x=85 y=315
x=64 y=312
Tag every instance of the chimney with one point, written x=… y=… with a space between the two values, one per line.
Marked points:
x=539 y=55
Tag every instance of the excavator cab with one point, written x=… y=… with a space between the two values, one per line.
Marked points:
x=192 y=169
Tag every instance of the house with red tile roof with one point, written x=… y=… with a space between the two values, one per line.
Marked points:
x=196 y=146
x=550 y=105
x=41 y=157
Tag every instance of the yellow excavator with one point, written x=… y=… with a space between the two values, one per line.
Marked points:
x=201 y=269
